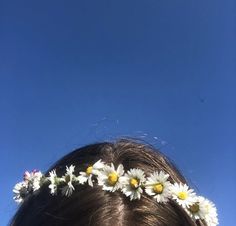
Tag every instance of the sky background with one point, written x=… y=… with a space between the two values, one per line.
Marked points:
x=76 y=72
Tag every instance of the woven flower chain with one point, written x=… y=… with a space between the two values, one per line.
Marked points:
x=132 y=183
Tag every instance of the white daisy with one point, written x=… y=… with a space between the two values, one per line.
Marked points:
x=132 y=182
x=183 y=195
x=20 y=192
x=68 y=178
x=197 y=210
x=33 y=179
x=203 y=209
x=54 y=182
x=109 y=177
x=36 y=180
x=157 y=185
x=27 y=176
x=211 y=216
x=90 y=171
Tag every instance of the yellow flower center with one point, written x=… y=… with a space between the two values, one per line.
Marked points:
x=194 y=208
x=112 y=178
x=89 y=170
x=182 y=195
x=158 y=188
x=134 y=182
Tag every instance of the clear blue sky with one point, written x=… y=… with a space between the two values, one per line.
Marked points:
x=75 y=72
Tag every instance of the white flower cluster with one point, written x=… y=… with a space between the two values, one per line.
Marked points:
x=31 y=183
x=132 y=183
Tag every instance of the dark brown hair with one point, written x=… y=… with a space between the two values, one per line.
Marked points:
x=95 y=207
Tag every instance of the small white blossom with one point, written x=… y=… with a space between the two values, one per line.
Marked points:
x=205 y=210
x=183 y=195
x=90 y=171
x=132 y=182
x=109 y=177
x=54 y=181
x=28 y=176
x=68 y=178
x=20 y=192
x=210 y=213
x=157 y=185
x=33 y=180
x=36 y=180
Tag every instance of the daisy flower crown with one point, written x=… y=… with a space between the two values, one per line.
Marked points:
x=132 y=184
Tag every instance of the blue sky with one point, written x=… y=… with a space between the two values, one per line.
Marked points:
x=76 y=72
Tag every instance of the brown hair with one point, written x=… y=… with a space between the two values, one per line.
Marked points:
x=95 y=207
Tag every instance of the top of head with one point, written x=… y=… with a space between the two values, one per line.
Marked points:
x=89 y=187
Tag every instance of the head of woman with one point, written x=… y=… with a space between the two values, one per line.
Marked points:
x=117 y=183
